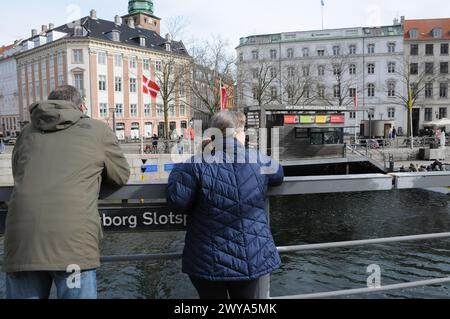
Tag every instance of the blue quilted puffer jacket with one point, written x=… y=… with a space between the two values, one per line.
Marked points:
x=228 y=236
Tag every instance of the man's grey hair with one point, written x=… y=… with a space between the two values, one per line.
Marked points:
x=67 y=93
x=229 y=121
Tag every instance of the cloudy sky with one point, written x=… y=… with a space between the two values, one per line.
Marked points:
x=230 y=19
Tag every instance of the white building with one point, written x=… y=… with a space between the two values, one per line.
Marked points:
x=9 y=92
x=325 y=68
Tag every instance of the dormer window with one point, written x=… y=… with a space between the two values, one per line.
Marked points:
x=168 y=47
x=142 y=41
x=413 y=33
x=437 y=33
x=115 y=35
x=78 y=31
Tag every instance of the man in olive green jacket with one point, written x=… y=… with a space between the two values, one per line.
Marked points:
x=53 y=228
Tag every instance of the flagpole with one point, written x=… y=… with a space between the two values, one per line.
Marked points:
x=322 y=17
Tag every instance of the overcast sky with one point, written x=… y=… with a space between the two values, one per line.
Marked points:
x=231 y=19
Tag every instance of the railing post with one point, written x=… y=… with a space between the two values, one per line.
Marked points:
x=264 y=291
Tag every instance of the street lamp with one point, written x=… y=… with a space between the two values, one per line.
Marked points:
x=370 y=112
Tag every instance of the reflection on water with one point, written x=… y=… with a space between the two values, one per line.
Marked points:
x=309 y=219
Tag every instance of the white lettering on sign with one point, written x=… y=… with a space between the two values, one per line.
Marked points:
x=120 y=221
x=171 y=219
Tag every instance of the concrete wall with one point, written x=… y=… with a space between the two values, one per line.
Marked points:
x=135 y=162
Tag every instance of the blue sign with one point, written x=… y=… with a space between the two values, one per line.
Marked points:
x=168 y=167
x=149 y=168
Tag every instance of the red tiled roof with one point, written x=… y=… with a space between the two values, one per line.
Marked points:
x=425 y=28
x=5 y=48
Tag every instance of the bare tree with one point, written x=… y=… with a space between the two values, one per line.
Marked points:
x=346 y=81
x=212 y=65
x=298 y=85
x=258 y=81
x=176 y=26
x=414 y=78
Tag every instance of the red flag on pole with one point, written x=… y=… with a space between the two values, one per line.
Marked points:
x=150 y=87
x=223 y=98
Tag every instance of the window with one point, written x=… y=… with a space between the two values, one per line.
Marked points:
x=273 y=54
x=146 y=64
x=255 y=93
x=429 y=90
x=429 y=68
x=321 y=52
x=352 y=69
x=371 y=90
x=255 y=54
x=255 y=73
x=305 y=70
x=290 y=71
x=273 y=72
x=241 y=57
x=443 y=90
x=172 y=110
x=133 y=110
x=352 y=115
x=371 y=68
x=428 y=114
x=442 y=113
x=101 y=58
x=79 y=82
x=181 y=87
x=118 y=84
x=118 y=60
x=371 y=48
x=336 y=70
x=305 y=52
x=352 y=92
x=78 y=31
x=437 y=33
x=321 y=70
x=336 y=50
x=391 y=67
x=391 y=112
x=133 y=62
x=413 y=33
x=414 y=49
x=444 y=67
x=290 y=93
x=444 y=49
x=147 y=110
x=337 y=91
x=103 y=110
x=133 y=86
x=182 y=109
x=306 y=92
x=429 y=49
x=119 y=110
x=60 y=59
x=158 y=66
x=290 y=53
x=142 y=42
x=391 y=89
x=414 y=68
x=102 y=82
x=352 y=49
x=77 y=56
x=321 y=91
x=391 y=47
x=160 y=110
x=415 y=89
x=274 y=93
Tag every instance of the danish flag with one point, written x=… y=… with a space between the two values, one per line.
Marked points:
x=150 y=87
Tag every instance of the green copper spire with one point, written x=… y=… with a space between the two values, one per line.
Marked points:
x=140 y=7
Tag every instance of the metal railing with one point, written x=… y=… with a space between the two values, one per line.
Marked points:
x=304 y=185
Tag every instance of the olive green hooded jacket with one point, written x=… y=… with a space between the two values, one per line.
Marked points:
x=58 y=165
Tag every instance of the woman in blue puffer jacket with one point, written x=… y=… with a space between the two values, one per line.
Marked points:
x=229 y=245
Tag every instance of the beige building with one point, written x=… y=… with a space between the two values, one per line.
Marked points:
x=106 y=61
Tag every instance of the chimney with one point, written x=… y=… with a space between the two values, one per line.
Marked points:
x=34 y=32
x=131 y=23
x=51 y=26
x=93 y=14
x=168 y=38
x=44 y=28
x=117 y=20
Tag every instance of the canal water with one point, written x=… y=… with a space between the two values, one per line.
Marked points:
x=309 y=219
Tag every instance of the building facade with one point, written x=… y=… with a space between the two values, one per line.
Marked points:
x=326 y=67
x=9 y=92
x=427 y=53
x=107 y=62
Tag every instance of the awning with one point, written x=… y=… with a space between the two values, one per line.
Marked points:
x=438 y=123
